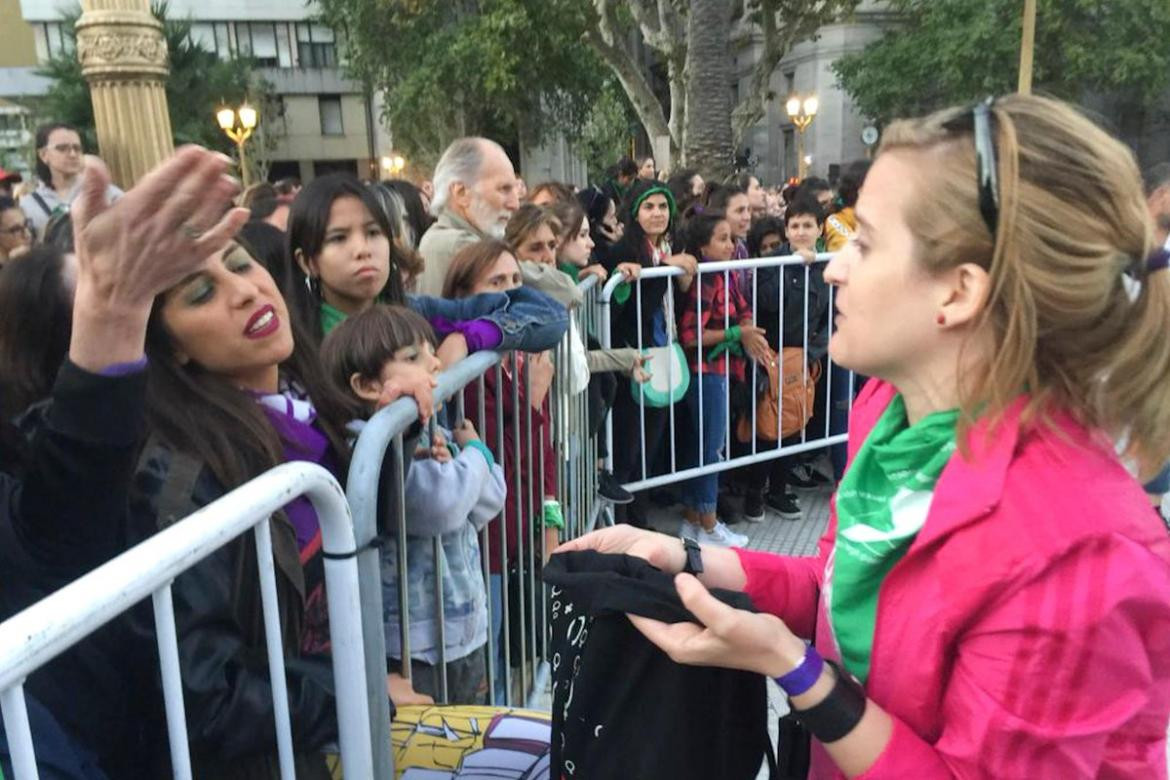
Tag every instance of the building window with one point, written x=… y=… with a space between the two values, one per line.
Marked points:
x=52 y=41
x=203 y=35
x=258 y=41
x=789 y=84
x=283 y=47
x=316 y=47
x=330 y=109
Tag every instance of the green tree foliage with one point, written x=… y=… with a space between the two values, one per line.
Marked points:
x=508 y=69
x=607 y=132
x=199 y=82
x=942 y=52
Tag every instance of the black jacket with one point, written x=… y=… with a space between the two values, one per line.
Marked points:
x=768 y=302
x=220 y=625
x=624 y=320
x=67 y=509
x=63 y=512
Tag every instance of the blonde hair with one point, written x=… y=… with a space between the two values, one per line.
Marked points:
x=1072 y=222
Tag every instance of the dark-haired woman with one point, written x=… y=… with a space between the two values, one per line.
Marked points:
x=604 y=227
x=231 y=394
x=344 y=259
x=648 y=214
x=60 y=161
x=36 y=296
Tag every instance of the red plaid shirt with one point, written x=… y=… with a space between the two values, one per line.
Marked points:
x=723 y=305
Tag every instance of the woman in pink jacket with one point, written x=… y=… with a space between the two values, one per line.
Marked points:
x=992 y=596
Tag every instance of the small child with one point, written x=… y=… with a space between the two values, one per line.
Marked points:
x=452 y=491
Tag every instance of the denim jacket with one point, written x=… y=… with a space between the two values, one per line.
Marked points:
x=528 y=319
x=451 y=502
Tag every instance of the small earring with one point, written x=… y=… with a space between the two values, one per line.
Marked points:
x=309 y=283
x=941 y=319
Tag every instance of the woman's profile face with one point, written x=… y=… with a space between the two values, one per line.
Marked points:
x=646 y=169
x=886 y=305
x=538 y=246
x=229 y=319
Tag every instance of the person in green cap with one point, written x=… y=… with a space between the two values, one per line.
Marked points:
x=642 y=316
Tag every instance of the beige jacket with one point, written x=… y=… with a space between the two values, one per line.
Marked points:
x=448 y=235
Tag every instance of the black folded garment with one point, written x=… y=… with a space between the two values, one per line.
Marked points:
x=621 y=707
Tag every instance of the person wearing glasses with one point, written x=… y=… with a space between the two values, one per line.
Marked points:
x=60 y=162
x=992 y=596
x=15 y=235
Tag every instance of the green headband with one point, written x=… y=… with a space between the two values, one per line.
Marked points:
x=657 y=189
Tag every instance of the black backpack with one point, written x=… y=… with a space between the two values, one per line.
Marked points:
x=621 y=707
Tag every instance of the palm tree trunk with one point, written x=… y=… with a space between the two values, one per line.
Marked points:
x=708 y=145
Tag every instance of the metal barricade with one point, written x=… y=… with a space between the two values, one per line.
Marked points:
x=33 y=637
x=645 y=475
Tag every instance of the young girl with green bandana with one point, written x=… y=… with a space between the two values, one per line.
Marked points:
x=716 y=330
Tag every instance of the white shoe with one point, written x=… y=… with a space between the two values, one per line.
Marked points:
x=689 y=531
x=722 y=536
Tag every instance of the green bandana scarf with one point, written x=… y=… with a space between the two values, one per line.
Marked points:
x=881 y=506
x=330 y=318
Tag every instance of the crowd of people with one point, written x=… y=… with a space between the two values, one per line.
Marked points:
x=165 y=345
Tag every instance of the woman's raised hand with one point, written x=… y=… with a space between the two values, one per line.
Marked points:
x=149 y=240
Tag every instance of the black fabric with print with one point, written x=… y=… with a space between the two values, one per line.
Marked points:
x=621 y=707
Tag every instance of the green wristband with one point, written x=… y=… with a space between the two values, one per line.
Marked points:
x=476 y=444
x=734 y=333
x=553 y=517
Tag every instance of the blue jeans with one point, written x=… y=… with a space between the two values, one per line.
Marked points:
x=701 y=493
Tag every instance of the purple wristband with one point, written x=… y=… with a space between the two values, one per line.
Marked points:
x=124 y=369
x=805 y=675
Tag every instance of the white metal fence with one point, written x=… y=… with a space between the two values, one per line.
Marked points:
x=834 y=403
x=35 y=636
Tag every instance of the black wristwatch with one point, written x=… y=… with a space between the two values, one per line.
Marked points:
x=839 y=712
x=694 y=562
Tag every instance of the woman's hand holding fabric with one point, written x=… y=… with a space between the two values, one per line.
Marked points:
x=725 y=637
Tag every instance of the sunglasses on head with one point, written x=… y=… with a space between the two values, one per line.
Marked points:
x=978 y=121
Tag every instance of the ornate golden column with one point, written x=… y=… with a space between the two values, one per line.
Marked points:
x=123 y=56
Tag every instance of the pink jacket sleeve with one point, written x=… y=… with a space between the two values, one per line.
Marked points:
x=1039 y=688
x=788 y=587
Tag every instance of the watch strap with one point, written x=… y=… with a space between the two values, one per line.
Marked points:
x=839 y=712
x=694 y=560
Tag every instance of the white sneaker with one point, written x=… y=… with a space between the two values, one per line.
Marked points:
x=689 y=531
x=722 y=536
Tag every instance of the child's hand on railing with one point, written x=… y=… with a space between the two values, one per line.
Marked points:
x=465 y=433
x=807 y=255
x=421 y=390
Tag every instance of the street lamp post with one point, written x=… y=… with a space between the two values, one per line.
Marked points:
x=238 y=124
x=393 y=165
x=801 y=111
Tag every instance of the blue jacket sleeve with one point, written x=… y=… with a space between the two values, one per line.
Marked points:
x=528 y=319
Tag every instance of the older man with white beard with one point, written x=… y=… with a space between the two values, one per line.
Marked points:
x=475 y=195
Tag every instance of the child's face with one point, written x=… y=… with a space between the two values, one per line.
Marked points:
x=720 y=247
x=803 y=231
x=411 y=366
